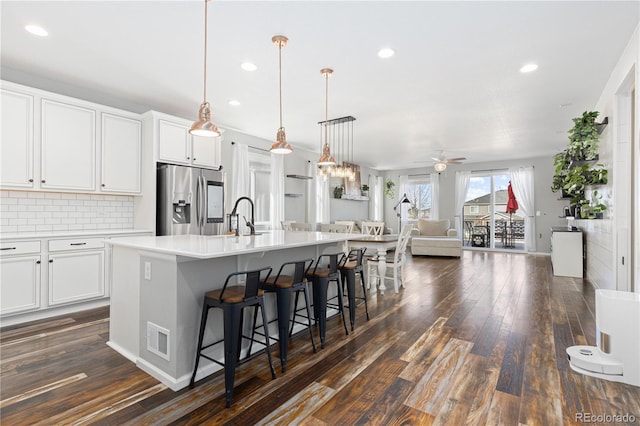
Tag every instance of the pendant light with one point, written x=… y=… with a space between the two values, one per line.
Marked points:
x=280 y=146
x=326 y=159
x=204 y=126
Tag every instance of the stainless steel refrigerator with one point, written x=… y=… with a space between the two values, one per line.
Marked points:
x=189 y=201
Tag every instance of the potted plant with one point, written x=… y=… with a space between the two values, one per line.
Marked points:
x=338 y=191
x=574 y=183
x=584 y=137
x=561 y=163
x=596 y=206
x=598 y=175
x=389 y=190
x=365 y=190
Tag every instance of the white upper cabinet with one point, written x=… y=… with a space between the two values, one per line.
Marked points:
x=176 y=145
x=16 y=149
x=205 y=152
x=173 y=142
x=52 y=142
x=68 y=147
x=121 y=154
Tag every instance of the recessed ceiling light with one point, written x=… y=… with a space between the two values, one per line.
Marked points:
x=385 y=53
x=36 y=30
x=248 y=66
x=529 y=68
x=234 y=102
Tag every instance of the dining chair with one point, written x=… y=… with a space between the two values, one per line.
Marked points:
x=396 y=264
x=300 y=226
x=350 y=224
x=372 y=228
x=333 y=227
x=286 y=224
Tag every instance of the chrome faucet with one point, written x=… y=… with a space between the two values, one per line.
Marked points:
x=251 y=224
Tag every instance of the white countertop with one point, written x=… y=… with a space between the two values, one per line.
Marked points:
x=212 y=246
x=72 y=234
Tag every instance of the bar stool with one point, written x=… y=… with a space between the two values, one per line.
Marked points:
x=351 y=265
x=320 y=277
x=232 y=300
x=284 y=285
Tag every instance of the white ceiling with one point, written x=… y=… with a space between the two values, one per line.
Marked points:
x=452 y=85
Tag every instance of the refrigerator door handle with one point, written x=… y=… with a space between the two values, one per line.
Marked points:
x=198 y=202
x=203 y=203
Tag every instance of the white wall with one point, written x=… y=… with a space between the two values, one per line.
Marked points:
x=546 y=202
x=609 y=239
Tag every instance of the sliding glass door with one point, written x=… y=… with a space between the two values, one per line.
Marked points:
x=487 y=221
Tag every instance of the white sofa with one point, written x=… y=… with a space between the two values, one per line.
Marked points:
x=435 y=238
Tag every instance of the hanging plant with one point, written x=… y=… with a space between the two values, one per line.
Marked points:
x=389 y=190
x=584 y=137
x=598 y=175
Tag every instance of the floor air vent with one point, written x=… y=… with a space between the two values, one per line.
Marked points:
x=158 y=340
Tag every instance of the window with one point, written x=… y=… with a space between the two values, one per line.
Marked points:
x=418 y=192
x=260 y=178
x=487 y=221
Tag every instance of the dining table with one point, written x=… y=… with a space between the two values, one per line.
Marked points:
x=380 y=244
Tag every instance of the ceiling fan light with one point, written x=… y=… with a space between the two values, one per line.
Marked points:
x=204 y=126
x=440 y=166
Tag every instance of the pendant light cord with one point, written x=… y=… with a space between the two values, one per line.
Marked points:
x=206 y=14
x=326 y=108
x=280 y=77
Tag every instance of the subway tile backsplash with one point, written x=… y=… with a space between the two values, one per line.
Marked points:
x=28 y=211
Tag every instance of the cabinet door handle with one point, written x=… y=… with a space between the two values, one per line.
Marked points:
x=77 y=244
x=37 y=262
x=103 y=185
x=194 y=158
x=50 y=260
x=8 y=248
x=43 y=181
x=188 y=158
x=30 y=180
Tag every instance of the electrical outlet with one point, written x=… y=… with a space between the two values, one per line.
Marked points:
x=147 y=270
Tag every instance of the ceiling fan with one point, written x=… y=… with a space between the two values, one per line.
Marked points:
x=441 y=162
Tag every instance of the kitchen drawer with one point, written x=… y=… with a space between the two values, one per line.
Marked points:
x=10 y=248
x=76 y=244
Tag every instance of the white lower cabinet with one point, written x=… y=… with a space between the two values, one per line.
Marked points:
x=566 y=253
x=76 y=276
x=20 y=276
x=19 y=284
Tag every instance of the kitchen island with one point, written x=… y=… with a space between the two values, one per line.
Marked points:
x=158 y=285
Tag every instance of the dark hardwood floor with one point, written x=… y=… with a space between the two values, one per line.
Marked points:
x=479 y=340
